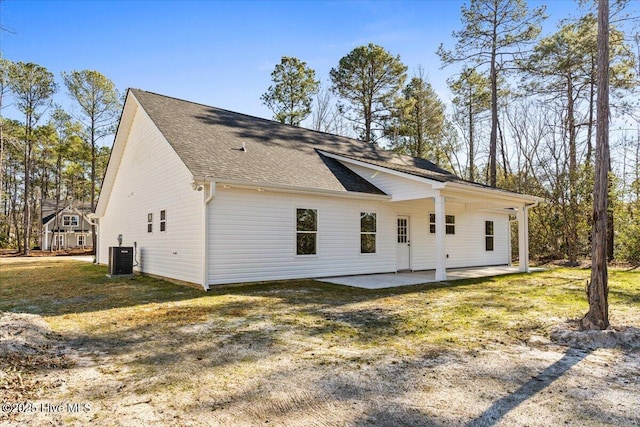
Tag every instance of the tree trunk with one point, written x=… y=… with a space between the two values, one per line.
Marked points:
x=93 y=183
x=572 y=224
x=592 y=91
x=14 y=213
x=597 y=288
x=493 y=139
x=26 y=221
x=471 y=147
x=493 y=80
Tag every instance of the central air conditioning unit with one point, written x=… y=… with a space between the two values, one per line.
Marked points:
x=120 y=260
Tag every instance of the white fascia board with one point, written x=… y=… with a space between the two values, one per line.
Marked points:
x=494 y=193
x=436 y=185
x=292 y=189
x=129 y=109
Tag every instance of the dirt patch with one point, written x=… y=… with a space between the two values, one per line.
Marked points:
x=242 y=372
x=626 y=337
x=28 y=348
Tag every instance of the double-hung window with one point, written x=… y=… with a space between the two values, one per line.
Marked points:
x=149 y=223
x=488 y=235
x=163 y=220
x=306 y=231
x=368 y=230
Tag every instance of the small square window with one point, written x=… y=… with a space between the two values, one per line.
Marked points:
x=450 y=224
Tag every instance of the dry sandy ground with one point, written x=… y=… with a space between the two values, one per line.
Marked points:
x=309 y=382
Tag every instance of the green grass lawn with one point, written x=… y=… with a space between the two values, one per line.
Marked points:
x=239 y=343
x=77 y=297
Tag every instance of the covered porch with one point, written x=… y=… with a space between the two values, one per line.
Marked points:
x=391 y=280
x=445 y=224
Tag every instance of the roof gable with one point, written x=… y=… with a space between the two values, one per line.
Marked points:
x=222 y=145
x=210 y=142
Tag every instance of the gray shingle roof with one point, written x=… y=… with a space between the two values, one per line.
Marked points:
x=209 y=141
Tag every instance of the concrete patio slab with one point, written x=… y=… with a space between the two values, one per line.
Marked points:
x=390 y=280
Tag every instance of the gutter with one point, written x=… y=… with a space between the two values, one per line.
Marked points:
x=209 y=195
x=300 y=190
x=496 y=192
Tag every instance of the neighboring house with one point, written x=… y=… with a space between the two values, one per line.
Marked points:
x=210 y=196
x=68 y=228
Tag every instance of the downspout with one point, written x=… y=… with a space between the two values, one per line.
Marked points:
x=93 y=220
x=210 y=193
x=96 y=246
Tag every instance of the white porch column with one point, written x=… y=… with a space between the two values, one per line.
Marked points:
x=523 y=238
x=45 y=240
x=441 y=257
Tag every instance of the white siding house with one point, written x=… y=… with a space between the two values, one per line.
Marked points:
x=209 y=196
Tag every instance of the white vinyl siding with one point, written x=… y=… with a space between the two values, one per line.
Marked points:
x=152 y=178
x=398 y=188
x=253 y=233
x=466 y=248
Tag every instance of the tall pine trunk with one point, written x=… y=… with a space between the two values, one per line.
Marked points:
x=26 y=220
x=597 y=288
x=93 y=184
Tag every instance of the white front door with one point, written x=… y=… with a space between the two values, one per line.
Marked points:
x=404 y=244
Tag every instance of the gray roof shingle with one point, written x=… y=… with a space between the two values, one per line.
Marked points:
x=209 y=141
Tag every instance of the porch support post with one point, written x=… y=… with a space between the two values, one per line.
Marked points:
x=441 y=268
x=523 y=238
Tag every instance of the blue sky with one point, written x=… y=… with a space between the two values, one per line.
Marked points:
x=222 y=53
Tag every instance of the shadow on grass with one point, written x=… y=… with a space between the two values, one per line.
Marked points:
x=502 y=407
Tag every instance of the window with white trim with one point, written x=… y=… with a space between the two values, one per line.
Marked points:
x=306 y=231
x=488 y=235
x=368 y=231
x=82 y=240
x=70 y=220
x=163 y=220
x=450 y=224
x=149 y=223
